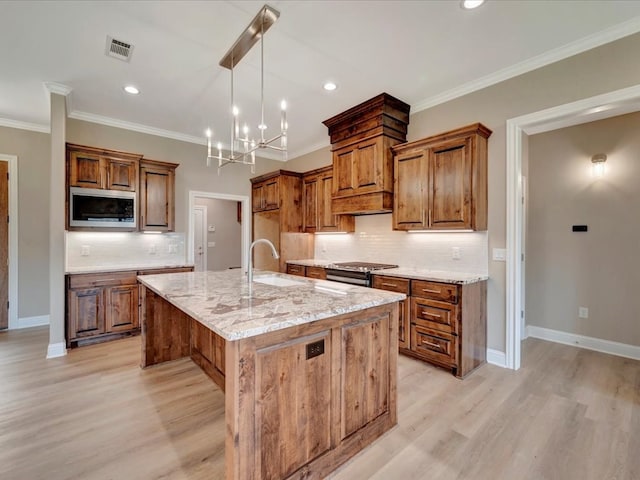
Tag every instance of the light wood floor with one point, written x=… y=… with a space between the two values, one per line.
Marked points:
x=94 y=415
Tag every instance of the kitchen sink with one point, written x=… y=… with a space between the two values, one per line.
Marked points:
x=277 y=281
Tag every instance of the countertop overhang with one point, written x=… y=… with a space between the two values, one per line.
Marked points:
x=219 y=300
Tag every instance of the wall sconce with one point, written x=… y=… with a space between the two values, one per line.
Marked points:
x=597 y=165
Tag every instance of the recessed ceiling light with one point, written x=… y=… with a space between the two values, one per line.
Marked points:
x=131 y=90
x=330 y=86
x=471 y=4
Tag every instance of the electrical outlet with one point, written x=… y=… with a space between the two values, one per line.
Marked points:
x=212 y=228
x=152 y=249
x=85 y=250
x=583 y=312
x=173 y=248
x=455 y=253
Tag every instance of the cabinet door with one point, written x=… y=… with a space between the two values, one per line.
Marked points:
x=122 y=174
x=122 y=308
x=271 y=195
x=86 y=170
x=156 y=198
x=410 y=201
x=367 y=166
x=257 y=197
x=450 y=185
x=293 y=400
x=400 y=285
x=343 y=175
x=86 y=312
x=311 y=205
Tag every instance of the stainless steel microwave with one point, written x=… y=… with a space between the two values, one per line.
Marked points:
x=92 y=207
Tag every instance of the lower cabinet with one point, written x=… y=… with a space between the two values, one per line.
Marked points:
x=104 y=306
x=444 y=324
x=309 y=271
x=295 y=269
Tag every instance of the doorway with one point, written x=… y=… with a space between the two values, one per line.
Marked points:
x=8 y=242
x=200 y=238
x=603 y=106
x=227 y=229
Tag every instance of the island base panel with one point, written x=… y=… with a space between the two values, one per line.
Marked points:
x=302 y=401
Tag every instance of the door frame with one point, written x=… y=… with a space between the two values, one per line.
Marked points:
x=246 y=222
x=205 y=237
x=599 y=107
x=13 y=238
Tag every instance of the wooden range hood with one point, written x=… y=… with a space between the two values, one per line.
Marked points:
x=361 y=141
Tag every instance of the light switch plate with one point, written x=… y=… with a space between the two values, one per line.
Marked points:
x=85 y=250
x=455 y=253
x=211 y=244
x=212 y=228
x=583 y=312
x=500 y=254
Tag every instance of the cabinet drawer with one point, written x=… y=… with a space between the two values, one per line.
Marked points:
x=114 y=279
x=393 y=284
x=434 y=345
x=316 y=272
x=435 y=290
x=433 y=314
x=295 y=270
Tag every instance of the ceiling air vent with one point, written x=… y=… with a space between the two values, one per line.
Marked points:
x=118 y=49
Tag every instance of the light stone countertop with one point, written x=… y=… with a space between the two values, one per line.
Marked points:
x=120 y=268
x=432 y=275
x=219 y=300
x=311 y=262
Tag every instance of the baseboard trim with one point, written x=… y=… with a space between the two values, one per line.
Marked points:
x=496 y=357
x=27 y=322
x=589 y=343
x=56 y=350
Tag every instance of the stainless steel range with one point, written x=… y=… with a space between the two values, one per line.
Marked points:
x=355 y=273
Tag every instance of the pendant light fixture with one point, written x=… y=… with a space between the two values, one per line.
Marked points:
x=242 y=148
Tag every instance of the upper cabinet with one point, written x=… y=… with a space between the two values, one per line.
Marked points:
x=265 y=194
x=361 y=140
x=157 y=205
x=440 y=182
x=90 y=167
x=282 y=191
x=317 y=186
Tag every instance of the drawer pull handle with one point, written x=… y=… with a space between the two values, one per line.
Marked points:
x=429 y=314
x=430 y=291
x=389 y=284
x=435 y=345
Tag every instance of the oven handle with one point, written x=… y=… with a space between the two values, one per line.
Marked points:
x=353 y=281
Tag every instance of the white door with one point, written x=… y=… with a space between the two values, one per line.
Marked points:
x=200 y=238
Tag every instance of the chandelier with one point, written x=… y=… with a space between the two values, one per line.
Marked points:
x=243 y=149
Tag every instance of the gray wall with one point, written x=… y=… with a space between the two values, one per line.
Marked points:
x=598 y=269
x=223 y=214
x=34 y=153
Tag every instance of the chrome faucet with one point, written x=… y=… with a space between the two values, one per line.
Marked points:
x=274 y=252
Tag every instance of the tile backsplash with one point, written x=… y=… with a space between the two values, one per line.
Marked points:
x=126 y=249
x=375 y=241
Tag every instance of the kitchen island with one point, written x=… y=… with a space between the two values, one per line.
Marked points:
x=308 y=366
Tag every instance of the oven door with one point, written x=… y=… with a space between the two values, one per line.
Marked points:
x=344 y=276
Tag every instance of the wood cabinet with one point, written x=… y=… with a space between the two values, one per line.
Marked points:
x=400 y=285
x=317 y=214
x=440 y=182
x=157 y=196
x=444 y=324
x=307 y=271
x=281 y=225
x=104 y=306
x=265 y=195
x=361 y=139
x=99 y=168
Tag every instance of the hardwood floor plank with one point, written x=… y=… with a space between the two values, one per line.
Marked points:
x=568 y=414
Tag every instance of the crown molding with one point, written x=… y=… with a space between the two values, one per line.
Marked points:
x=57 y=88
x=135 y=127
x=587 y=43
x=34 y=127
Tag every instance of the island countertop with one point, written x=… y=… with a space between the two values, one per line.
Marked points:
x=219 y=300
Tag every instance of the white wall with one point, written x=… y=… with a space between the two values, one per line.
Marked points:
x=598 y=269
x=374 y=241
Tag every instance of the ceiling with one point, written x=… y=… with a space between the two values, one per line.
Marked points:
x=422 y=52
